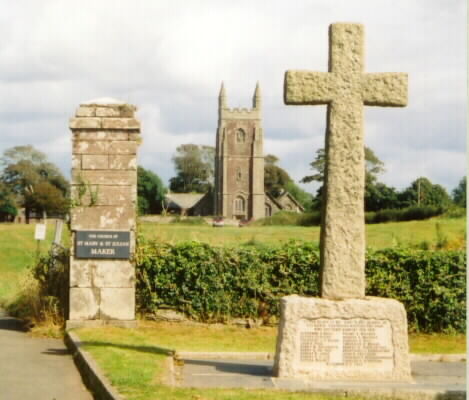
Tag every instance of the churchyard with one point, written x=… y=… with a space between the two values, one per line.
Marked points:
x=334 y=306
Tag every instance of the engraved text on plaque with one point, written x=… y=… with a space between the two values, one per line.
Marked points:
x=346 y=343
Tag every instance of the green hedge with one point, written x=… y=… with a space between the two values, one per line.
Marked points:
x=413 y=213
x=211 y=283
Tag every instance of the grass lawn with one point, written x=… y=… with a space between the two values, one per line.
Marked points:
x=133 y=360
x=18 y=251
x=378 y=235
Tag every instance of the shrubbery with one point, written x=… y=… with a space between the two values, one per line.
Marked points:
x=372 y=217
x=405 y=214
x=211 y=283
x=216 y=284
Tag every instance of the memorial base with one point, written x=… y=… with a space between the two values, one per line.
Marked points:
x=348 y=340
x=96 y=323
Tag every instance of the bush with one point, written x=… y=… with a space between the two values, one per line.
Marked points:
x=43 y=297
x=404 y=214
x=211 y=283
x=188 y=220
x=280 y=218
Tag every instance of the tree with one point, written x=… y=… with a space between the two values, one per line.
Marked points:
x=8 y=209
x=422 y=192
x=378 y=196
x=459 y=193
x=25 y=172
x=150 y=192
x=277 y=180
x=275 y=177
x=373 y=167
x=194 y=165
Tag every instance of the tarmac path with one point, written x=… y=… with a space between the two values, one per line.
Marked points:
x=36 y=368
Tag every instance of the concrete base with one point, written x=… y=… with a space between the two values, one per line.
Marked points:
x=96 y=323
x=347 y=340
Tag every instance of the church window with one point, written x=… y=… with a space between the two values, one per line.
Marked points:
x=268 y=210
x=240 y=136
x=239 y=175
x=239 y=205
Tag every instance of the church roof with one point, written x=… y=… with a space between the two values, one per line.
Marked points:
x=290 y=196
x=183 y=200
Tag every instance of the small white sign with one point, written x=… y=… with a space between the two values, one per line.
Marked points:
x=40 y=233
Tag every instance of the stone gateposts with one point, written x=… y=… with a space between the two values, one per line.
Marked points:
x=106 y=137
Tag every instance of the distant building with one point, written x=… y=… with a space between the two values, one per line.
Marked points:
x=239 y=170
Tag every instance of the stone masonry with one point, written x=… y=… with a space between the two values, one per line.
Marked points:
x=239 y=161
x=104 y=194
x=343 y=335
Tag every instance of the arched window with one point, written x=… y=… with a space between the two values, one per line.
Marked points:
x=239 y=175
x=240 y=136
x=239 y=205
x=268 y=210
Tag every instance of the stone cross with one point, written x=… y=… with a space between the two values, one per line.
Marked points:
x=345 y=88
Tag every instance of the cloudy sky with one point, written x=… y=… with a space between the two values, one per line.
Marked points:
x=169 y=58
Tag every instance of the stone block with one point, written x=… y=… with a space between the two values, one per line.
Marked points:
x=90 y=147
x=85 y=111
x=117 y=303
x=102 y=273
x=84 y=303
x=100 y=135
x=76 y=161
x=85 y=123
x=104 y=195
x=108 y=112
x=128 y=148
x=95 y=161
x=121 y=123
x=114 y=177
x=128 y=162
x=347 y=340
x=103 y=217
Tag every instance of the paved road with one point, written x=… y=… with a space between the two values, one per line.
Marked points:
x=34 y=368
x=445 y=377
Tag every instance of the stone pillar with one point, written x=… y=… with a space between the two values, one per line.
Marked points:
x=103 y=218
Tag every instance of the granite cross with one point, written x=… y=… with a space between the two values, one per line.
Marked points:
x=345 y=88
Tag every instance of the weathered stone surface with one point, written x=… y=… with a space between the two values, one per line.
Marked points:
x=84 y=303
x=105 y=195
x=121 y=123
x=100 y=135
x=107 y=177
x=95 y=161
x=129 y=148
x=85 y=111
x=90 y=147
x=85 y=123
x=103 y=217
x=108 y=112
x=123 y=162
x=117 y=303
x=102 y=273
x=353 y=339
x=345 y=88
x=76 y=161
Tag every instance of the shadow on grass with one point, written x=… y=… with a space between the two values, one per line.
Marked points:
x=143 y=349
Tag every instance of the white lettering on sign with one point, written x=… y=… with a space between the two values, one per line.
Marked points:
x=346 y=344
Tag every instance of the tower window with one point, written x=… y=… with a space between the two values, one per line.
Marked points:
x=239 y=205
x=240 y=136
x=239 y=175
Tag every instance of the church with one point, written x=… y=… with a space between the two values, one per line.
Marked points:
x=239 y=170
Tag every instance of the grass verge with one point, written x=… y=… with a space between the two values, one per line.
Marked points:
x=133 y=360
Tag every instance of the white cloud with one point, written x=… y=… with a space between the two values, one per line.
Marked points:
x=169 y=57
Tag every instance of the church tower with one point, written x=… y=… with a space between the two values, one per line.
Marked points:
x=239 y=160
